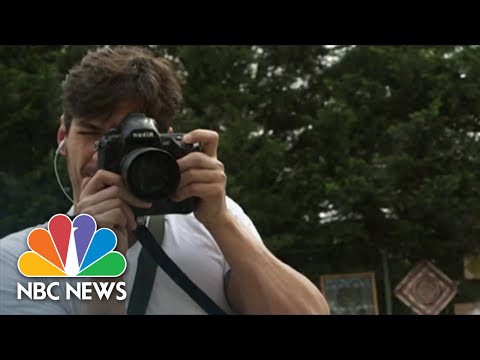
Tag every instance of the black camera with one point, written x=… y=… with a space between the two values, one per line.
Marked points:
x=147 y=161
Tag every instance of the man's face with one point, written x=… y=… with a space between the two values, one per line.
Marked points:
x=80 y=141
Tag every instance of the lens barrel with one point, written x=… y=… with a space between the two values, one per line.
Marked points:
x=150 y=173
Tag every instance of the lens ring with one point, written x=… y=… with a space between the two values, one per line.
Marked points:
x=150 y=173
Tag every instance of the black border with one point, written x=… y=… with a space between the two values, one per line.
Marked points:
x=242 y=23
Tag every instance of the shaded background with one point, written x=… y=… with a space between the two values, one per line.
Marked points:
x=347 y=158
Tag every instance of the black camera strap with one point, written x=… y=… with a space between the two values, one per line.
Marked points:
x=143 y=283
x=152 y=255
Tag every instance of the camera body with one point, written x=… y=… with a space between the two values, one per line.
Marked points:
x=147 y=161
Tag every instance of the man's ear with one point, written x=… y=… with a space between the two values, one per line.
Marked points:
x=61 y=137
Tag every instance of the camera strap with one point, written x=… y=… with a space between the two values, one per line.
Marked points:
x=152 y=255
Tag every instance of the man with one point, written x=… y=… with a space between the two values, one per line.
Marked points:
x=216 y=246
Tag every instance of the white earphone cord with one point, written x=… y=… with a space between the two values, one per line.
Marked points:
x=56 y=173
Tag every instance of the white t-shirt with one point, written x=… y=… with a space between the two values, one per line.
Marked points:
x=186 y=242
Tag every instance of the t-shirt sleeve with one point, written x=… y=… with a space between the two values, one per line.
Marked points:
x=240 y=215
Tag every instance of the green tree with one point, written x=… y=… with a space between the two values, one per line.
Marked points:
x=392 y=153
x=30 y=113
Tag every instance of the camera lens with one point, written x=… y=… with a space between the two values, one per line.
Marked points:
x=150 y=173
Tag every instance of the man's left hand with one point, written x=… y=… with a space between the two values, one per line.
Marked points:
x=203 y=176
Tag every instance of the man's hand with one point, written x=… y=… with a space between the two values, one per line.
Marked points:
x=203 y=176
x=105 y=197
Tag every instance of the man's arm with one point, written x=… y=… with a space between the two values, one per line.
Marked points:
x=259 y=283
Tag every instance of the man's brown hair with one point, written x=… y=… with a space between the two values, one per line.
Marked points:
x=109 y=76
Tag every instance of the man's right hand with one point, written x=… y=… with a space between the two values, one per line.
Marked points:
x=105 y=197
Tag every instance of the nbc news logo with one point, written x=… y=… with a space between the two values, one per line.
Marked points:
x=74 y=250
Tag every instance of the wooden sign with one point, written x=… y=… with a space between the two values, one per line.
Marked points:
x=426 y=289
x=467 y=309
x=350 y=294
x=471 y=266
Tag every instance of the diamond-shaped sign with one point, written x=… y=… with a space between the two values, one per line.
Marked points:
x=426 y=289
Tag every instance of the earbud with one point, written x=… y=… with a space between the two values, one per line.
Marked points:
x=56 y=171
x=60 y=146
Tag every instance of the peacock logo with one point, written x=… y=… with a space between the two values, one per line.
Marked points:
x=72 y=249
